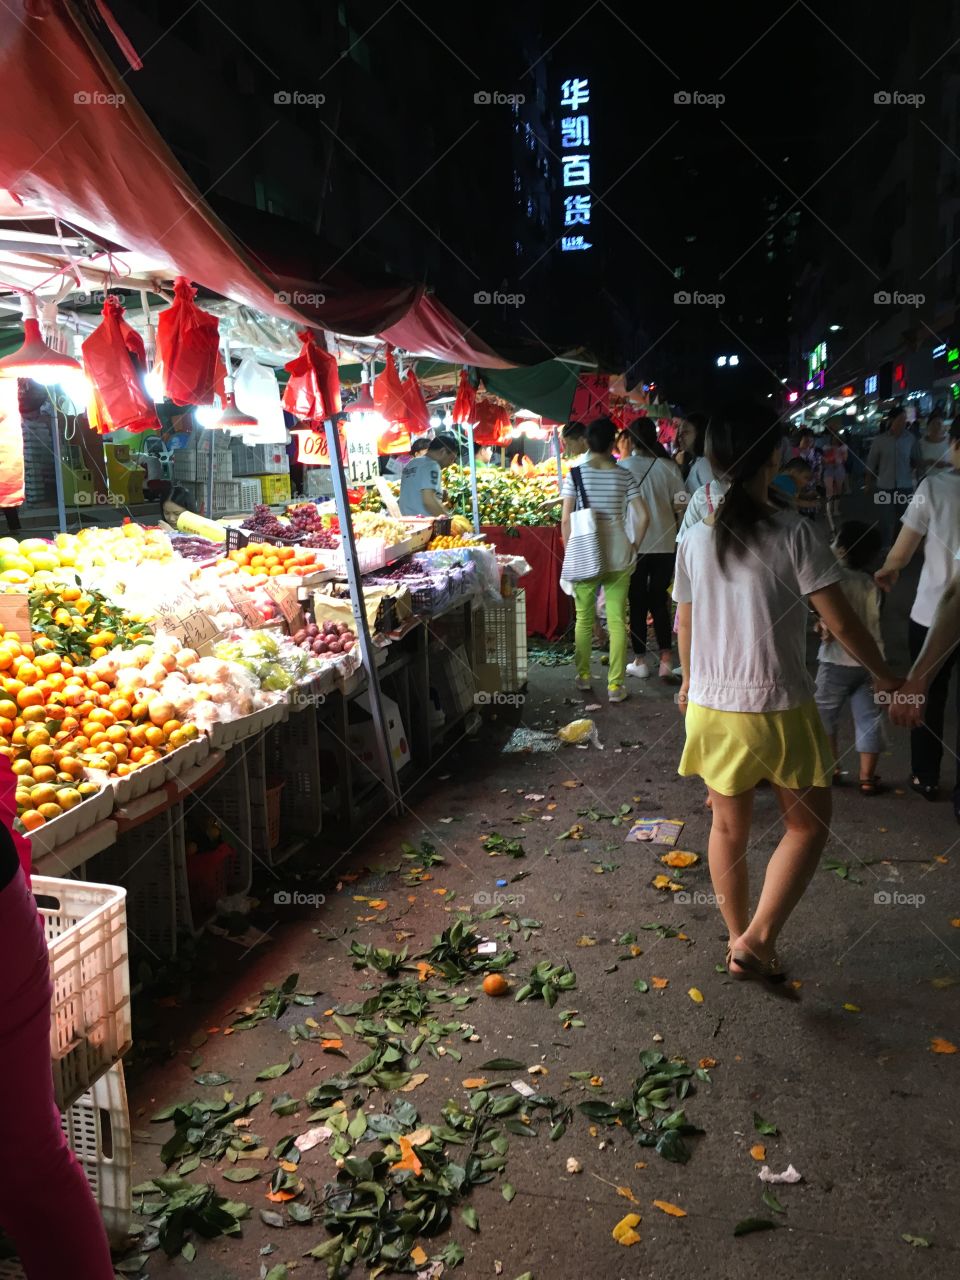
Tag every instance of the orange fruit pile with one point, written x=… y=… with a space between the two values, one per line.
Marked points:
x=58 y=720
x=262 y=558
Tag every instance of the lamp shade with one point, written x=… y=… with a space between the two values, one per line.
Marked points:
x=235 y=419
x=35 y=359
x=364 y=401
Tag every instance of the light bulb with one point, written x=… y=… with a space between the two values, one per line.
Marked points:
x=154 y=384
x=207 y=415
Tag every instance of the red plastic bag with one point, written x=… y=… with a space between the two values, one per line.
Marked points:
x=313 y=392
x=390 y=402
x=188 y=349
x=465 y=405
x=492 y=423
x=114 y=359
x=418 y=415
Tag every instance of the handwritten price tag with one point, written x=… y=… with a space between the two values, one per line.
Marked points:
x=289 y=605
x=180 y=615
x=241 y=603
x=312 y=448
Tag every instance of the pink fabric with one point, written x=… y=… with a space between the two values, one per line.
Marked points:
x=46 y=1205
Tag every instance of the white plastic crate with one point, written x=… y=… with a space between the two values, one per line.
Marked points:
x=258 y=459
x=97 y=1127
x=194 y=464
x=90 y=1026
x=505 y=640
x=249 y=494
x=226 y=497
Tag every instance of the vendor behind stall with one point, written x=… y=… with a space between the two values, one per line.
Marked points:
x=174 y=504
x=420 y=488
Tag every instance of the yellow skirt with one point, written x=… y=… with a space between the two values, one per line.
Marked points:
x=733 y=750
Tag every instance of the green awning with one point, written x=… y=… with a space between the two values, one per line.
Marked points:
x=546 y=389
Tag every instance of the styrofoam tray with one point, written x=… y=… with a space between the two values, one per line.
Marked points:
x=233 y=731
x=151 y=776
x=73 y=822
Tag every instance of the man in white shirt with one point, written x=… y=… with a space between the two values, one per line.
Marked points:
x=421 y=492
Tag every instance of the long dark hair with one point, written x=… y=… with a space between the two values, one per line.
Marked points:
x=643 y=435
x=700 y=422
x=739 y=444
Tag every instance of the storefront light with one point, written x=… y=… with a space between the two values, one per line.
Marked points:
x=35 y=359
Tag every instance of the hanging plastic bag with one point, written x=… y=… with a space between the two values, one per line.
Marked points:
x=465 y=405
x=390 y=402
x=418 y=415
x=313 y=392
x=257 y=392
x=114 y=359
x=188 y=349
x=492 y=423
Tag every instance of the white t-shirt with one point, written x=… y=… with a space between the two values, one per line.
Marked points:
x=610 y=490
x=699 y=474
x=419 y=473
x=701 y=504
x=864 y=597
x=934 y=511
x=748 y=644
x=934 y=453
x=660 y=481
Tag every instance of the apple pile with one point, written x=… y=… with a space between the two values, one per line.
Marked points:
x=327 y=639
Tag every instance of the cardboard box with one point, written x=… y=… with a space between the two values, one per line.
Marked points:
x=362 y=736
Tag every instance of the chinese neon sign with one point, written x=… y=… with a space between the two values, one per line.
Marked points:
x=575 y=164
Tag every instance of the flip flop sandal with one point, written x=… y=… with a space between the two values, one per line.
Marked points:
x=871 y=786
x=765 y=970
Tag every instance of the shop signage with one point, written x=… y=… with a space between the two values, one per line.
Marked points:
x=575 y=163
x=870 y=385
x=312 y=448
x=363 y=463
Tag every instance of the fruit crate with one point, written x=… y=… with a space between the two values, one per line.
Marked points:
x=250 y=492
x=259 y=459
x=90 y=1025
x=97 y=1129
x=274 y=489
x=292 y=752
x=144 y=862
x=227 y=799
x=505 y=640
x=72 y=822
x=193 y=465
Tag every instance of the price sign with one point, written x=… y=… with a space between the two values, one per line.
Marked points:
x=363 y=462
x=312 y=447
x=289 y=605
x=15 y=615
x=241 y=603
x=180 y=615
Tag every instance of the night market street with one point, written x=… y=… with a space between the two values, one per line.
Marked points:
x=844 y=1071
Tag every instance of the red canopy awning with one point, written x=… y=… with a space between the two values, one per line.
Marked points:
x=75 y=143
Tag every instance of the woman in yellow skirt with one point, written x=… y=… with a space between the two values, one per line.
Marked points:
x=744 y=578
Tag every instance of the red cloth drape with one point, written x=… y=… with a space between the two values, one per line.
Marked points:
x=313 y=392
x=548 y=608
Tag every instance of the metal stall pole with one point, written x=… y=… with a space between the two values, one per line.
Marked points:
x=213 y=458
x=473 y=477
x=355 y=582
x=58 y=467
x=557 y=455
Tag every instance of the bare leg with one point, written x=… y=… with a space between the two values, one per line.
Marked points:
x=868 y=764
x=806 y=816
x=727 y=853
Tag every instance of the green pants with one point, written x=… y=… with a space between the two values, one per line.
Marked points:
x=616 y=587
